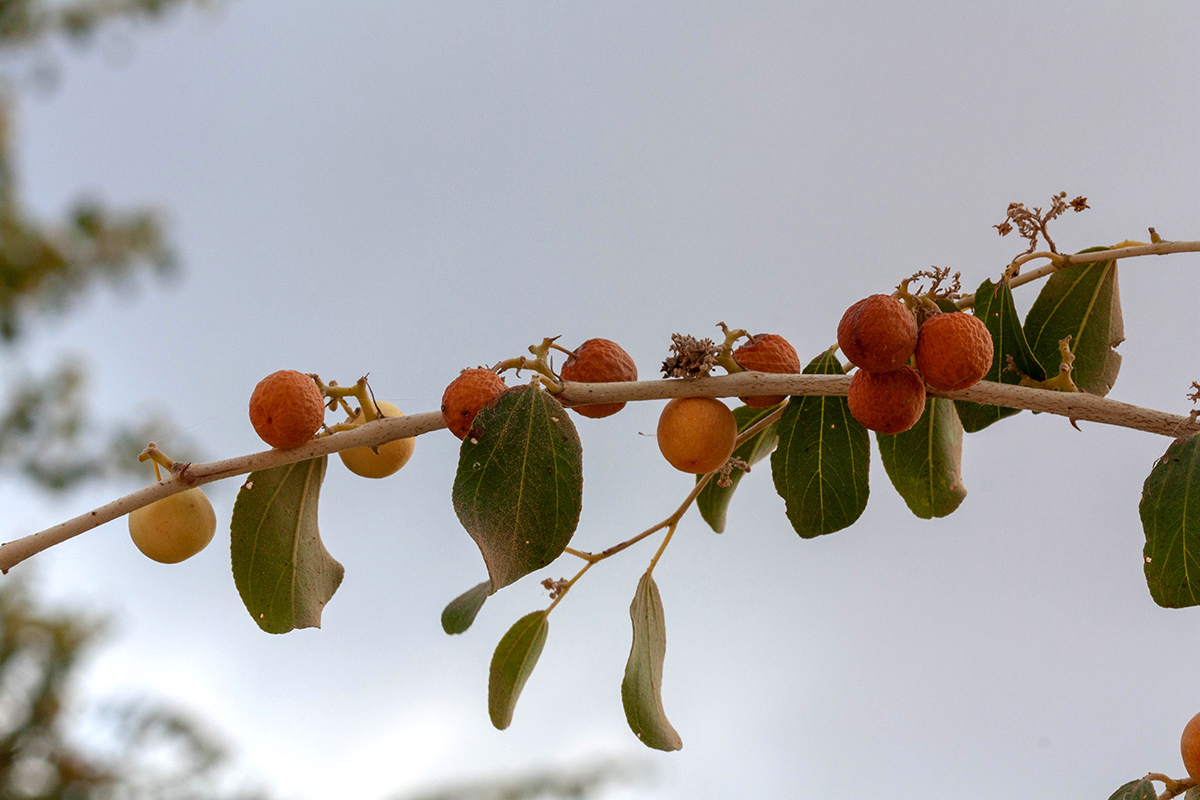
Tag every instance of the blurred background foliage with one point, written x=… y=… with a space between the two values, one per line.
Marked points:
x=53 y=746
x=46 y=432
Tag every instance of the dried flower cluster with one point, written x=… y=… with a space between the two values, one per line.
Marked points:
x=1031 y=223
x=690 y=357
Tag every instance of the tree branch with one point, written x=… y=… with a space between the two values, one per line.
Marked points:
x=1075 y=406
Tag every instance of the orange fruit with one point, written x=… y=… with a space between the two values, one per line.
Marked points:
x=887 y=402
x=878 y=333
x=174 y=528
x=599 y=361
x=767 y=352
x=384 y=460
x=954 y=351
x=696 y=434
x=1189 y=747
x=470 y=391
x=287 y=408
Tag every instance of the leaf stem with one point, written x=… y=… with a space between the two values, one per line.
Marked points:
x=1174 y=787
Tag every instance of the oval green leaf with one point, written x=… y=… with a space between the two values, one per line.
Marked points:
x=820 y=465
x=924 y=462
x=462 y=610
x=512 y=663
x=1141 y=789
x=280 y=566
x=1170 y=512
x=641 y=690
x=1082 y=302
x=713 y=500
x=519 y=487
x=994 y=305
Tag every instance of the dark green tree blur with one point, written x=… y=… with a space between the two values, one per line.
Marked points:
x=46 y=432
x=52 y=746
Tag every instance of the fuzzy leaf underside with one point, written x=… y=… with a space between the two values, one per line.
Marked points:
x=1170 y=512
x=713 y=500
x=820 y=466
x=462 y=610
x=280 y=566
x=513 y=662
x=994 y=305
x=924 y=462
x=1140 y=789
x=519 y=486
x=641 y=690
x=1082 y=302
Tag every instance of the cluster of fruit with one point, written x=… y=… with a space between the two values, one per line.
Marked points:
x=695 y=434
x=287 y=408
x=879 y=335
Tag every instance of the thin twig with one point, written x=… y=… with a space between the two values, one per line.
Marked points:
x=1064 y=260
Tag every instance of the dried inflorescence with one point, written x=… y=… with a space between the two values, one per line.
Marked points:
x=1031 y=223
x=690 y=357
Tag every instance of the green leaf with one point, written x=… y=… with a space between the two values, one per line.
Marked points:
x=461 y=612
x=924 y=462
x=713 y=500
x=994 y=305
x=512 y=664
x=282 y=570
x=820 y=465
x=641 y=690
x=1171 y=520
x=1082 y=302
x=1141 y=789
x=519 y=487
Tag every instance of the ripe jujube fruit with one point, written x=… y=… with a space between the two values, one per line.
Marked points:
x=599 y=361
x=887 y=402
x=174 y=528
x=287 y=408
x=878 y=333
x=767 y=352
x=466 y=395
x=696 y=434
x=391 y=456
x=1189 y=747
x=954 y=351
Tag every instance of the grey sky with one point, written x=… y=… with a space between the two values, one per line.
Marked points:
x=409 y=189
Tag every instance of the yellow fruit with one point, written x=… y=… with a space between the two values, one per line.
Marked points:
x=1189 y=746
x=696 y=434
x=174 y=528
x=286 y=408
x=391 y=456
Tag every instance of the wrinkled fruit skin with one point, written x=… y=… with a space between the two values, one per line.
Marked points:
x=1189 y=747
x=599 y=361
x=887 y=402
x=954 y=351
x=286 y=408
x=767 y=352
x=391 y=456
x=878 y=333
x=466 y=395
x=696 y=434
x=174 y=528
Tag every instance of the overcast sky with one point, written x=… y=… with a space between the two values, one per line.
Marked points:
x=410 y=189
